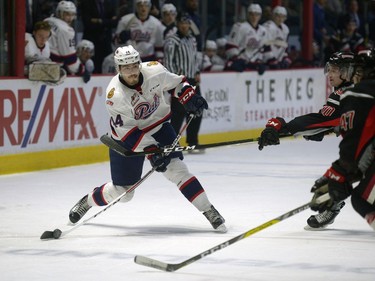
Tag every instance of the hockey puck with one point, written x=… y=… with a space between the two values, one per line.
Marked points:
x=57 y=233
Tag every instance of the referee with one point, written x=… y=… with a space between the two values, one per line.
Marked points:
x=180 y=57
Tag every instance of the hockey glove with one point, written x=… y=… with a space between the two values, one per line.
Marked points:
x=192 y=102
x=86 y=76
x=320 y=189
x=270 y=135
x=333 y=183
x=159 y=161
x=338 y=185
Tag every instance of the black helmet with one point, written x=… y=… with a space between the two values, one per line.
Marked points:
x=342 y=60
x=364 y=64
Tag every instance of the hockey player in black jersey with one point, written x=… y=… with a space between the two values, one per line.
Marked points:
x=314 y=126
x=357 y=148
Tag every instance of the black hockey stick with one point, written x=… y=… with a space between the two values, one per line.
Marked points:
x=142 y=260
x=111 y=143
x=57 y=233
x=108 y=141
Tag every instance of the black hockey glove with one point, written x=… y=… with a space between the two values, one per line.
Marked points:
x=192 y=102
x=86 y=76
x=270 y=135
x=159 y=161
x=335 y=183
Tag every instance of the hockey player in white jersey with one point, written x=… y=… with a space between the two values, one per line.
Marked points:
x=278 y=33
x=139 y=120
x=36 y=44
x=143 y=31
x=247 y=42
x=62 y=41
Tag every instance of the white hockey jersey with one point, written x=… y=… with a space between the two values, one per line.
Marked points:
x=63 y=45
x=138 y=112
x=278 y=36
x=108 y=65
x=145 y=36
x=33 y=52
x=246 y=42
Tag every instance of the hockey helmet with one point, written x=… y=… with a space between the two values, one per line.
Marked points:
x=65 y=6
x=279 y=10
x=254 y=8
x=146 y=2
x=364 y=64
x=85 y=45
x=169 y=8
x=211 y=45
x=343 y=61
x=126 y=55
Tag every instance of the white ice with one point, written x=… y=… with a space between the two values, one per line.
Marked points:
x=247 y=186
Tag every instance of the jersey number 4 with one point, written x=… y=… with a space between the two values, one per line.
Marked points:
x=117 y=122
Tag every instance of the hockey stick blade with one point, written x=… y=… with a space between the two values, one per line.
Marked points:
x=170 y=267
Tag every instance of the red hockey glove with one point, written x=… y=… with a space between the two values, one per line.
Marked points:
x=192 y=102
x=270 y=135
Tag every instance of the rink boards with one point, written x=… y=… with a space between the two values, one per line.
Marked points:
x=44 y=126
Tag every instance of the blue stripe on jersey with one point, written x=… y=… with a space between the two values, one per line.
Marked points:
x=191 y=189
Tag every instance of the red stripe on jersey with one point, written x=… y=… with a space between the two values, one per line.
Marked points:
x=367 y=133
x=330 y=123
x=152 y=126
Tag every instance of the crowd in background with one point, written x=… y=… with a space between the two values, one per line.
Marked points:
x=262 y=38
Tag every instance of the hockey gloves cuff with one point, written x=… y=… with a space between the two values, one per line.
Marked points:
x=270 y=135
x=192 y=102
x=159 y=161
x=335 y=184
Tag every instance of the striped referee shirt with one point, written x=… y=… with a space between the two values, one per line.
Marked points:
x=180 y=55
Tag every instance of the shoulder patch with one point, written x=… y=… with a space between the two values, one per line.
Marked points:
x=111 y=93
x=152 y=63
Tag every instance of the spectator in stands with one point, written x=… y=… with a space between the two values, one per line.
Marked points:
x=277 y=35
x=85 y=51
x=143 y=31
x=347 y=39
x=352 y=11
x=62 y=41
x=320 y=29
x=98 y=18
x=247 y=43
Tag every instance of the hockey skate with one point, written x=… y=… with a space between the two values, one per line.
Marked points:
x=325 y=218
x=216 y=220
x=79 y=210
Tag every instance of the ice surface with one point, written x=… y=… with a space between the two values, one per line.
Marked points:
x=247 y=186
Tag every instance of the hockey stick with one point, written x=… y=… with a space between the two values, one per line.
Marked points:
x=142 y=260
x=108 y=141
x=57 y=233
